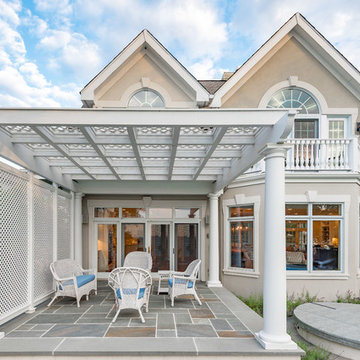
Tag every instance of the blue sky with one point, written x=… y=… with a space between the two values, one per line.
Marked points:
x=49 y=49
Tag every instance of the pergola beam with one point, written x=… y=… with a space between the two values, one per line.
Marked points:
x=220 y=132
x=251 y=154
x=135 y=148
x=86 y=131
x=175 y=141
x=47 y=137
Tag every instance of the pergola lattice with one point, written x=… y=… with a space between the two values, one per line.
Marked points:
x=108 y=144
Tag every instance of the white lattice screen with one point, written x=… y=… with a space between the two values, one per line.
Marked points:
x=43 y=240
x=14 y=269
x=17 y=217
x=63 y=227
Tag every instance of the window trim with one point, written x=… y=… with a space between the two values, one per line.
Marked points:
x=345 y=200
x=310 y=218
x=241 y=200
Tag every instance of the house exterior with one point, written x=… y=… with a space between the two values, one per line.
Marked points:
x=158 y=161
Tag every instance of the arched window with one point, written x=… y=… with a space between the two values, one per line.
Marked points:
x=294 y=98
x=146 y=98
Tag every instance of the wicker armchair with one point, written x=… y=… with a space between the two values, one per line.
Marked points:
x=72 y=280
x=184 y=283
x=140 y=259
x=131 y=287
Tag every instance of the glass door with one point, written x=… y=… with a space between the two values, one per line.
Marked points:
x=106 y=247
x=160 y=246
x=186 y=245
x=133 y=238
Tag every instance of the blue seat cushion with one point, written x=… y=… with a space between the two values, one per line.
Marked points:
x=81 y=280
x=181 y=281
x=131 y=292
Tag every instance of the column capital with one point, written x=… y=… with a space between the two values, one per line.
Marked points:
x=78 y=195
x=215 y=195
x=274 y=150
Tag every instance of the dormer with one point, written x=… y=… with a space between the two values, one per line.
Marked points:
x=144 y=69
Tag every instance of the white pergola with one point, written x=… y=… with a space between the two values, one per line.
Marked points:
x=214 y=145
x=171 y=151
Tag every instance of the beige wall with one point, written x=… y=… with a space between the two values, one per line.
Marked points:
x=325 y=288
x=128 y=79
x=291 y=60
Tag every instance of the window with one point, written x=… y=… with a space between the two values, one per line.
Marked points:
x=336 y=129
x=313 y=236
x=305 y=129
x=241 y=222
x=294 y=99
x=146 y=98
x=102 y=212
x=133 y=212
x=192 y=213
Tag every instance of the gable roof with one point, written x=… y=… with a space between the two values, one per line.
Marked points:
x=147 y=42
x=314 y=42
x=212 y=85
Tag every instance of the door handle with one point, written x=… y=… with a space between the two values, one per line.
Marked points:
x=149 y=249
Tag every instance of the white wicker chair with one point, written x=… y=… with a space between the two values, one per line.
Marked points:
x=72 y=280
x=184 y=283
x=131 y=286
x=140 y=259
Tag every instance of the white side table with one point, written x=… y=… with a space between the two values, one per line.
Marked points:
x=163 y=275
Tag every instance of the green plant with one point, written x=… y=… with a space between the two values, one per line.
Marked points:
x=313 y=352
x=349 y=297
x=292 y=301
x=254 y=302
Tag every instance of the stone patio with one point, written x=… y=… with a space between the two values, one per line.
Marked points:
x=221 y=325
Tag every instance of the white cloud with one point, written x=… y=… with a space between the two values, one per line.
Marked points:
x=337 y=21
x=21 y=81
x=54 y=6
x=9 y=9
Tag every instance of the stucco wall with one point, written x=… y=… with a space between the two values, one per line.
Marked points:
x=290 y=60
x=117 y=90
x=322 y=285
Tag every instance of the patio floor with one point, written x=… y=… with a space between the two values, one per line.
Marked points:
x=222 y=325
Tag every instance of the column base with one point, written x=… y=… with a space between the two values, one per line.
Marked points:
x=2 y=335
x=275 y=342
x=214 y=283
x=30 y=310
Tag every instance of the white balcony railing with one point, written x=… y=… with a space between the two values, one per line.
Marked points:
x=319 y=154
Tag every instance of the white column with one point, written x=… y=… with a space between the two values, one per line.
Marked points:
x=214 y=241
x=78 y=227
x=31 y=307
x=55 y=221
x=273 y=335
x=72 y=226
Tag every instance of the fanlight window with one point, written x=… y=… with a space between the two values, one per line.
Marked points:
x=294 y=98
x=146 y=98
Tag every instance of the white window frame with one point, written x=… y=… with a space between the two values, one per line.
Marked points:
x=173 y=204
x=310 y=218
x=241 y=200
x=312 y=197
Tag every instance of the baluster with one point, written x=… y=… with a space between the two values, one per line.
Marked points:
x=346 y=154
x=318 y=154
x=312 y=157
x=302 y=145
x=327 y=154
x=337 y=153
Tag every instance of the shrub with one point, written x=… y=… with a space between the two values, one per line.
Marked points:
x=255 y=302
x=349 y=297
x=313 y=352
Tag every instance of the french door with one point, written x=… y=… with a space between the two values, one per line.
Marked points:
x=171 y=245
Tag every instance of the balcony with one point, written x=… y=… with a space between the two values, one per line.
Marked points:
x=318 y=155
